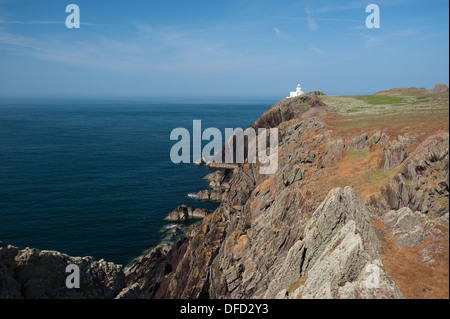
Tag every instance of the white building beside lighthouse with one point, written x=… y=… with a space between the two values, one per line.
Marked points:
x=297 y=92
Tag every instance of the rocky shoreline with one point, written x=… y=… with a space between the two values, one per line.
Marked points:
x=184 y=213
x=344 y=205
x=34 y=274
x=285 y=236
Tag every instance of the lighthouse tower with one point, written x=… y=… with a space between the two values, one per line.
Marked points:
x=297 y=92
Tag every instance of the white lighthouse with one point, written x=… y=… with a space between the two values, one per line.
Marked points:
x=297 y=92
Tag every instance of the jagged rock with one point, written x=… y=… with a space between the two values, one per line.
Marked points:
x=220 y=184
x=218 y=179
x=144 y=275
x=339 y=246
x=204 y=195
x=9 y=287
x=411 y=187
x=394 y=155
x=216 y=196
x=439 y=88
x=35 y=274
x=360 y=142
x=183 y=213
x=200 y=162
x=316 y=93
x=132 y=292
x=407 y=226
x=289 y=109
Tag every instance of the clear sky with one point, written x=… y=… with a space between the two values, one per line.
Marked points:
x=231 y=48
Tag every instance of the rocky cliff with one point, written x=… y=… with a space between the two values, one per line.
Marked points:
x=35 y=274
x=357 y=209
x=303 y=232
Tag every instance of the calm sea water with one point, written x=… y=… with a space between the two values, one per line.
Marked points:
x=94 y=178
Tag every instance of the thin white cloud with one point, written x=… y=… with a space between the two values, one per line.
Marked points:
x=342 y=7
x=147 y=51
x=280 y=34
x=30 y=22
x=316 y=49
x=318 y=19
x=374 y=38
x=312 y=24
x=358 y=5
x=359 y=27
x=373 y=41
x=15 y=40
x=46 y=22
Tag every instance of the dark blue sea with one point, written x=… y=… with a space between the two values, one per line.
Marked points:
x=94 y=178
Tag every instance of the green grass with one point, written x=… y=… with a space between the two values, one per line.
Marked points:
x=378 y=110
x=379 y=176
x=443 y=202
x=356 y=109
x=359 y=154
x=380 y=100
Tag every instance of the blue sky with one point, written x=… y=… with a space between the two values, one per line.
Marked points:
x=212 y=48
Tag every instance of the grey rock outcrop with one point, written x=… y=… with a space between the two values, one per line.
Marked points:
x=208 y=195
x=439 y=88
x=35 y=274
x=219 y=181
x=337 y=255
x=289 y=109
x=139 y=283
x=184 y=213
x=412 y=188
x=407 y=226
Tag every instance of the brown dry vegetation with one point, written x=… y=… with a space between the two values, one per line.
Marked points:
x=416 y=279
x=421 y=115
x=359 y=170
x=348 y=125
x=418 y=111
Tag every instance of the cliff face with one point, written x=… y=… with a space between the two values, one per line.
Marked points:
x=357 y=209
x=302 y=233
x=299 y=107
x=35 y=274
